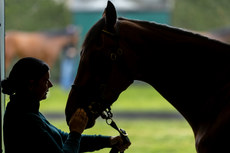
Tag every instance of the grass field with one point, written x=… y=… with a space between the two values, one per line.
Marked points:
x=138 y=97
x=147 y=136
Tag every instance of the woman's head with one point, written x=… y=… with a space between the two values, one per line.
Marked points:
x=25 y=72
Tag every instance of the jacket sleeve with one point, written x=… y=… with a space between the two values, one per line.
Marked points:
x=71 y=140
x=72 y=144
x=91 y=143
x=88 y=143
x=43 y=139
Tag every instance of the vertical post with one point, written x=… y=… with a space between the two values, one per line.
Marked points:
x=2 y=66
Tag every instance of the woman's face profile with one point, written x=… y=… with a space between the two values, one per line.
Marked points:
x=41 y=87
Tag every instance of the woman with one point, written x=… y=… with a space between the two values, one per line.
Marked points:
x=26 y=130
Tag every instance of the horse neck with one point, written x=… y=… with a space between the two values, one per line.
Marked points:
x=179 y=65
x=150 y=43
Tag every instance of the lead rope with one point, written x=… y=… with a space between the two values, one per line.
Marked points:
x=107 y=115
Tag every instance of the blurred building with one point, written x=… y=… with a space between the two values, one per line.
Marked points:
x=88 y=12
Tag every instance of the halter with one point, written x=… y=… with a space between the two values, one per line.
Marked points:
x=109 y=33
x=107 y=114
x=114 y=35
x=98 y=108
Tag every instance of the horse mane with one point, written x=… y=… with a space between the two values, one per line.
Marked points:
x=163 y=28
x=151 y=24
x=162 y=31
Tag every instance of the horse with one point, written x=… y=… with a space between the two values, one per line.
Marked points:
x=43 y=45
x=191 y=71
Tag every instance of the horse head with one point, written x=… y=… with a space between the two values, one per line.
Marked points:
x=103 y=72
x=179 y=64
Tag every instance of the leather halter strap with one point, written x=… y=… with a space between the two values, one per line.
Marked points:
x=115 y=54
x=109 y=33
x=116 y=30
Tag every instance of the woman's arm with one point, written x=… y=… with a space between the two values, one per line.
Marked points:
x=94 y=142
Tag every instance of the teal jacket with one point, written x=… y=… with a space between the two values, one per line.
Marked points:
x=26 y=130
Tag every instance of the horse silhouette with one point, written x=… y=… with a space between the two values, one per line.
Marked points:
x=190 y=71
x=42 y=45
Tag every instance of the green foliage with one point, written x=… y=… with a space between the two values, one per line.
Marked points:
x=201 y=15
x=46 y=14
x=33 y=15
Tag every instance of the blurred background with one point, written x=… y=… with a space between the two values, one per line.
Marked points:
x=53 y=30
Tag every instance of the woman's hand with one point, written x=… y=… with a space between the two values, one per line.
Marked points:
x=78 y=121
x=117 y=142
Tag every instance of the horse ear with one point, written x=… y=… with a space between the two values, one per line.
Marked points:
x=110 y=15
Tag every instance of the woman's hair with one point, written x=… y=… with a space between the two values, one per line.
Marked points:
x=23 y=71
